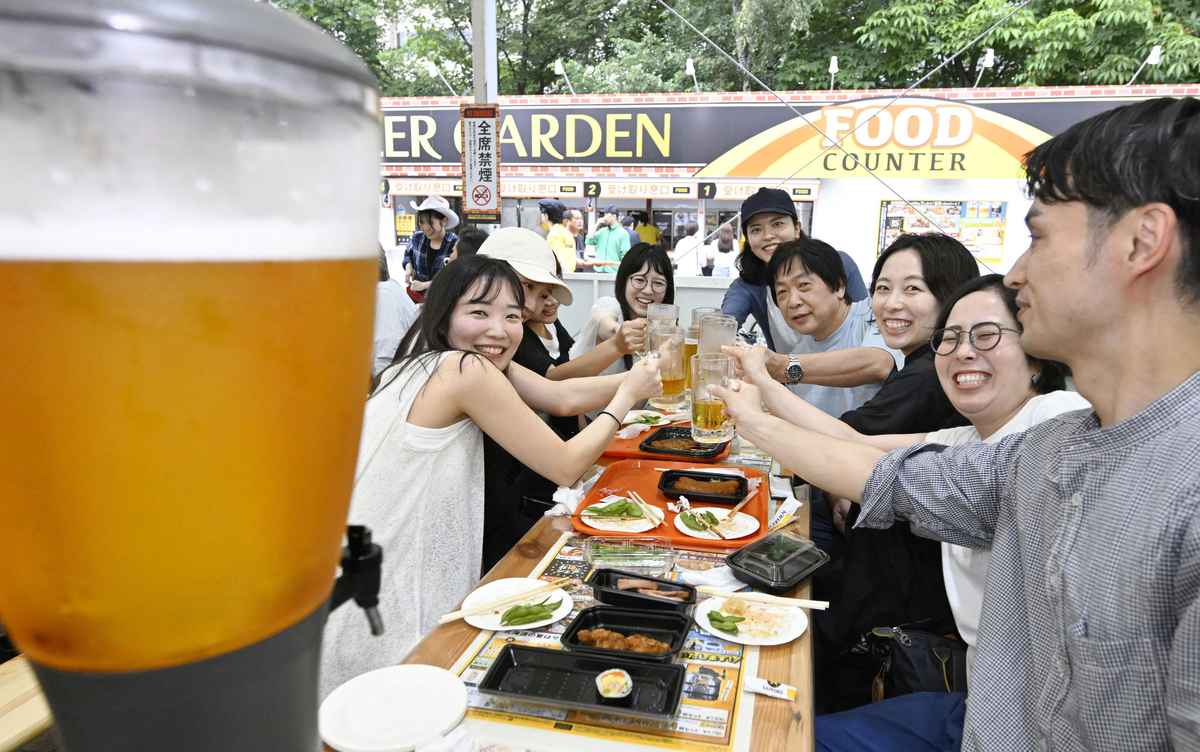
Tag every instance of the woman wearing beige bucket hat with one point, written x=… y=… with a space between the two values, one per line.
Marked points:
x=431 y=245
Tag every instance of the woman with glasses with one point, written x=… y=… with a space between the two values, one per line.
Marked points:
x=644 y=277
x=990 y=380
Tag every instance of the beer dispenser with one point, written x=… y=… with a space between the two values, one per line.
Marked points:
x=188 y=254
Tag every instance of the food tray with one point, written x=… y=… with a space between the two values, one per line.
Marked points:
x=668 y=480
x=604 y=589
x=624 y=476
x=560 y=679
x=667 y=626
x=650 y=555
x=701 y=451
x=632 y=448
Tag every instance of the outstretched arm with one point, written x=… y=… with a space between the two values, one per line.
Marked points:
x=489 y=399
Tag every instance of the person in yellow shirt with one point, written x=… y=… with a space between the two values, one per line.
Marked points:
x=647 y=231
x=558 y=235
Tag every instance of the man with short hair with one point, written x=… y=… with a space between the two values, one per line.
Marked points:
x=610 y=241
x=808 y=284
x=1090 y=629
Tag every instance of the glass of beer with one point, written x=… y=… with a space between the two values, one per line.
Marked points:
x=662 y=312
x=667 y=341
x=188 y=262
x=716 y=331
x=710 y=423
x=692 y=341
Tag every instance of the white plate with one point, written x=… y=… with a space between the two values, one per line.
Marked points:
x=498 y=589
x=617 y=526
x=632 y=416
x=393 y=709
x=741 y=526
x=793 y=628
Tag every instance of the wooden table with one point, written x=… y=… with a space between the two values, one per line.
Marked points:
x=777 y=725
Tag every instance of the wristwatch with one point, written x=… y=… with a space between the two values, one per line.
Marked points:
x=794 y=372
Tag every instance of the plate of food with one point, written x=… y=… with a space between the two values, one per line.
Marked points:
x=645 y=418
x=749 y=623
x=698 y=522
x=622 y=514
x=538 y=611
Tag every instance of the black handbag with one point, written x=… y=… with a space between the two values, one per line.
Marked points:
x=915 y=660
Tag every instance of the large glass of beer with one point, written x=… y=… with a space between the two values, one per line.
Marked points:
x=188 y=234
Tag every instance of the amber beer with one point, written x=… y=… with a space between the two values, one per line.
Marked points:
x=180 y=442
x=710 y=422
x=667 y=341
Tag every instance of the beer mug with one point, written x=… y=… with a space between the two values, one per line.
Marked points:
x=662 y=312
x=188 y=261
x=716 y=331
x=710 y=423
x=667 y=341
x=691 y=341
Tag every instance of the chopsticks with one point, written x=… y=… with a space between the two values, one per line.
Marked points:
x=770 y=600
x=653 y=513
x=507 y=601
x=733 y=512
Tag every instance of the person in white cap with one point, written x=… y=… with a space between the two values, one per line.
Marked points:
x=431 y=246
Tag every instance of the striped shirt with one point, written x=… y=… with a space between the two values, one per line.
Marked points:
x=1090 y=631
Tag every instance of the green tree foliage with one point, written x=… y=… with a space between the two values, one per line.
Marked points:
x=637 y=45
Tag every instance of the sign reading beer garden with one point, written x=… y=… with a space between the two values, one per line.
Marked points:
x=910 y=136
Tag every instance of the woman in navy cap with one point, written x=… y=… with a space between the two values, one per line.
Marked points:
x=768 y=219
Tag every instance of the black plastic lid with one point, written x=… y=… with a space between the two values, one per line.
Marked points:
x=777 y=562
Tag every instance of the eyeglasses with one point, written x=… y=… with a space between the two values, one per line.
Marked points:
x=639 y=283
x=984 y=336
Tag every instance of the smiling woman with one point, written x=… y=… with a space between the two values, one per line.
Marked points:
x=419 y=483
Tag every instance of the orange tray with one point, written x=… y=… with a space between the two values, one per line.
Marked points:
x=640 y=475
x=630 y=449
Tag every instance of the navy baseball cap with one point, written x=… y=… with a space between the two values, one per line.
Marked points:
x=767 y=200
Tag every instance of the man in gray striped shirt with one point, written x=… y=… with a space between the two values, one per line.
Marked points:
x=1090 y=631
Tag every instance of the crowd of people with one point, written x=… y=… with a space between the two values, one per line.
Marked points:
x=1046 y=539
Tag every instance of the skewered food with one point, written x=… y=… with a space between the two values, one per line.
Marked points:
x=651 y=588
x=634 y=643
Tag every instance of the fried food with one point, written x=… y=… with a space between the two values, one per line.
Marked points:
x=679 y=444
x=610 y=640
x=722 y=487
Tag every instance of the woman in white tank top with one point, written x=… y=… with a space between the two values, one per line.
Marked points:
x=419 y=481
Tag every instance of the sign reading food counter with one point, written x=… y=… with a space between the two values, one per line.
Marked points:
x=481 y=162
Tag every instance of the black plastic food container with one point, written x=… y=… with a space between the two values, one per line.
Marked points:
x=560 y=679
x=604 y=589
x=666 y=484
x=778 y=562
x=666 y=626
x=699 y=452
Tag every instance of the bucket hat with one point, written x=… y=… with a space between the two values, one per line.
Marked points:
x=529 y=255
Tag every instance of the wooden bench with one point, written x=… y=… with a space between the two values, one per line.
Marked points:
x=24 y=713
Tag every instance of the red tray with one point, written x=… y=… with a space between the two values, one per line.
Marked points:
x=640 y=475
x=630 y=449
